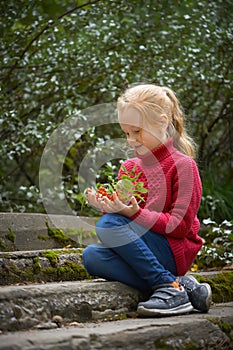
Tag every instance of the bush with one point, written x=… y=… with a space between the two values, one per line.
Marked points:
x=217 y=250
x=217 y=196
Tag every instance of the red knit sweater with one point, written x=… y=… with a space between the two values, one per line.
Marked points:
x=172 y=201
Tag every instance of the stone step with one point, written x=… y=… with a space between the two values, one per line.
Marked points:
x=24 y=307
x=30 y=231
x=27 y=306
x=192 y=331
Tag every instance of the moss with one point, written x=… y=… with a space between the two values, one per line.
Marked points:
x=225 y=327
x=12 y=268
x=221 y=285
x=72 y=271
x=36 y=265
x=52 y=256
x=7 y=242
x=5 y=256
x=59 y=236
x=191 y=346
x=49 y=273
x=10 y=235
x=28 y=274
x=34 y=272
x=3 y=247
x=43 y=237
x=117 y=317
x=122 y=317
x=12 y=274
x=68 y=251
x=162 y=344
x=54 y=253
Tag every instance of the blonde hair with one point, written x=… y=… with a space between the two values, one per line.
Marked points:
x=151 y=100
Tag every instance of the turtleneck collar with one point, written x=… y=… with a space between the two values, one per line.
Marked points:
x=158 y=154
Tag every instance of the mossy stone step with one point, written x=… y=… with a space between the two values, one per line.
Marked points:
x=56 y=265
x=32 y=231
x=27 y=306
x=42 y=266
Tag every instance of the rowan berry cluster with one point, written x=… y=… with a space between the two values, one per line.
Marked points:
x=102 y=192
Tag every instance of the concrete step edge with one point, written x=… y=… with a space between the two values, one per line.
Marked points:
x=199 y=331
x=25 y=306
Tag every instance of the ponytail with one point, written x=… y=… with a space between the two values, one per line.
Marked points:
x=182 y=140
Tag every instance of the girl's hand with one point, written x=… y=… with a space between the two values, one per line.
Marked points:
x=92 y=200
x=117 y=206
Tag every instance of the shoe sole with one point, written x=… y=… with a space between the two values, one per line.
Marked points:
x=208 y=299
x=181 y=309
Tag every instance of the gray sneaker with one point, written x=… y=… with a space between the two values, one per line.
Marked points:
x=166 y=300
x=199 y=294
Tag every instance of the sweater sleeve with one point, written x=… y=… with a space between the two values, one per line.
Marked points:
x=178 y=217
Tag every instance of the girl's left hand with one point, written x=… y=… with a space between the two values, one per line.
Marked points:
x=117 y=206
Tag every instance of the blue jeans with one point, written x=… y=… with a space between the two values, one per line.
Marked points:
x=130 y=254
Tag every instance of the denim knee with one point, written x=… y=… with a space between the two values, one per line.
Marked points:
x=113 y=230
x=89 y=259
x=111 y=221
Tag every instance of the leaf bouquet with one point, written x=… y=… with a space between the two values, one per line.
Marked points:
x=126 y=187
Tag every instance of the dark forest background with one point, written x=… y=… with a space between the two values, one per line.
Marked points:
x=61 y=56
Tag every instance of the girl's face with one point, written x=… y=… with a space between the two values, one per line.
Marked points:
x=141 y=139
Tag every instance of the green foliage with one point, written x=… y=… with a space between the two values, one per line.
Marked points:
x=59 y=57
x=217 y=196
x=217 y=250
x=129 y=185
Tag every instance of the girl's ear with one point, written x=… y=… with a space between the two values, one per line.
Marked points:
x=164 y=120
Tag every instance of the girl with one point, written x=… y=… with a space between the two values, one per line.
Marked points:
x=151 y=244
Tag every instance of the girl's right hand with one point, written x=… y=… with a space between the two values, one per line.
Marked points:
x=92 y=199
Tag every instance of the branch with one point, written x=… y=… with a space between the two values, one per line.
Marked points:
x=219 y=117
x=222 y=145
x=23 y=171
x=36 y=37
